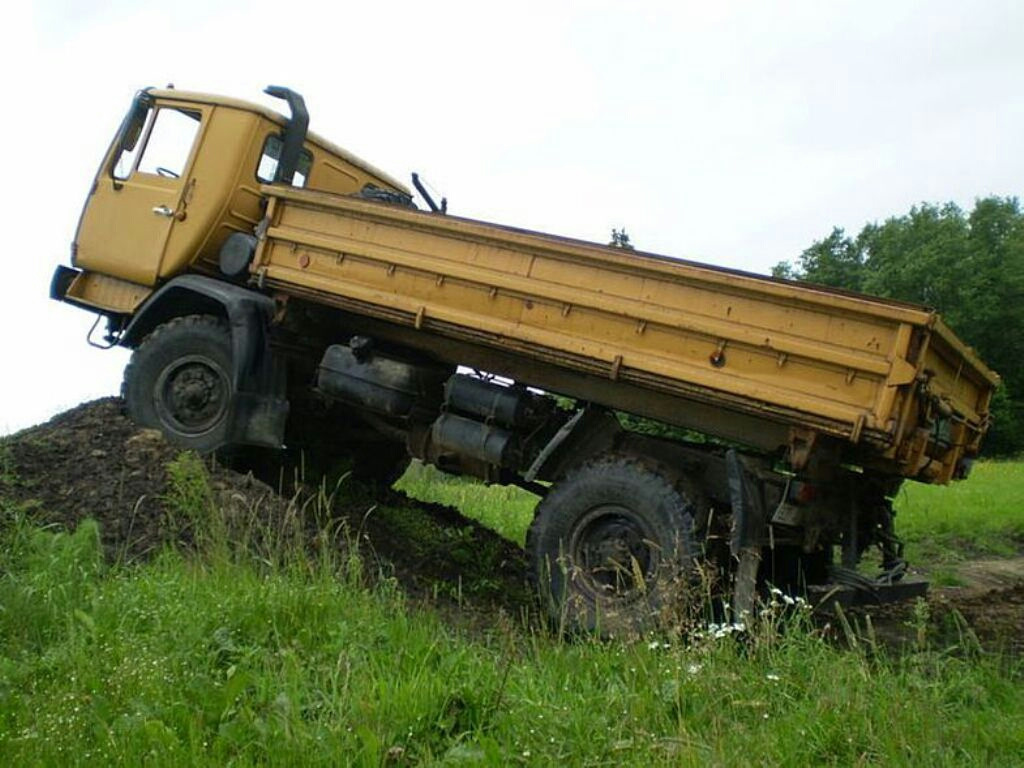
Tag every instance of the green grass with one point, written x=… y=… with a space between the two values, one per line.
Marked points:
x=980 y=516
x=505 y=509
x=229 y=656
x=222 y=660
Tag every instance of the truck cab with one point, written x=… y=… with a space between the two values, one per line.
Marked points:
x=182 y=175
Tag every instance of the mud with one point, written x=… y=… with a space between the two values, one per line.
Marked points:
x=92 y=461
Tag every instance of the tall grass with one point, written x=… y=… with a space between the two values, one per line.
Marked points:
x=196 y=662
x=223 y=656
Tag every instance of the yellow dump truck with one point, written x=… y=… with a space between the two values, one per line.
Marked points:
x=278 y=291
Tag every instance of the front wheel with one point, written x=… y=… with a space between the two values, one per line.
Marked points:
x=179 y=381
x=610 y=545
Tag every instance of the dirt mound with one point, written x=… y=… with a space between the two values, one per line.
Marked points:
x=92 y=461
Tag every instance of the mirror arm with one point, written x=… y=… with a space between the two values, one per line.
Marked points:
x=294 y=134
x=136 y=116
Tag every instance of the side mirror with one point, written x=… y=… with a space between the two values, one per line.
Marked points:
x=135 y=121
x=130 y=131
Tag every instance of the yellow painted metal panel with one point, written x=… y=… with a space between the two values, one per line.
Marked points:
x=423 y=226
x=444 y=279
x=107 y=293
x=801 y=353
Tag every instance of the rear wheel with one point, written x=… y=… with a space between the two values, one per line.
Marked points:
x=179 y=381
x=611 y=546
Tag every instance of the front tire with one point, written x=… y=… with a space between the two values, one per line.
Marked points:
x=179 y=381
x=608 y=545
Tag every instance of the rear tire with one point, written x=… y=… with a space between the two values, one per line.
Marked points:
x=179 y=381
x=610 y=545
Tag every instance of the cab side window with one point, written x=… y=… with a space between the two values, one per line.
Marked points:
x=170 y=142
x=266 y=171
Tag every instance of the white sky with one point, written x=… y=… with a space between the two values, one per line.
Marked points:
x=735 y=133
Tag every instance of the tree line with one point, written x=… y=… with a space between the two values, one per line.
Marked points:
x=968 y=266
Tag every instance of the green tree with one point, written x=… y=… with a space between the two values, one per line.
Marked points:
x=968 y=267
x=837 y=261
x=620 y=239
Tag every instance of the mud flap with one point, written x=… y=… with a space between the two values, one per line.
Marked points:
x=258 y=419
x=259 y=409
x=748 y=521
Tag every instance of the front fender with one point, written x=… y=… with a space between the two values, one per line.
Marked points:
x=260 y=408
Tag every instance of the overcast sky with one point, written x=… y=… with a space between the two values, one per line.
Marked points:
x=734 y=133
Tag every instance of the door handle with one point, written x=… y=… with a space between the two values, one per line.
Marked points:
x=163 y=210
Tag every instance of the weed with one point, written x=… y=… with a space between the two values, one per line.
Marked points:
x=920 y=618
x=189 y=501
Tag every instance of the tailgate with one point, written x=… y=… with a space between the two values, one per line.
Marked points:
x=949 y=411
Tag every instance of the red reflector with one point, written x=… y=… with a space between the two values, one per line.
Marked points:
x=805 y=493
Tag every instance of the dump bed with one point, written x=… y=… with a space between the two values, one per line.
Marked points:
x=767 y=362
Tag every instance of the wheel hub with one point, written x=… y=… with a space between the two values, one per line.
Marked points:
x=191 y=394
x=613 y=551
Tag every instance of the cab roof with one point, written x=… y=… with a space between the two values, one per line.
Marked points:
x=173 y=94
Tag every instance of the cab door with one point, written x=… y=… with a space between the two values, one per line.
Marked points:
x=140 y=193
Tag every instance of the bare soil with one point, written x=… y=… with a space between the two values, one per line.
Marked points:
x=92 y=461
x=990 y=604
